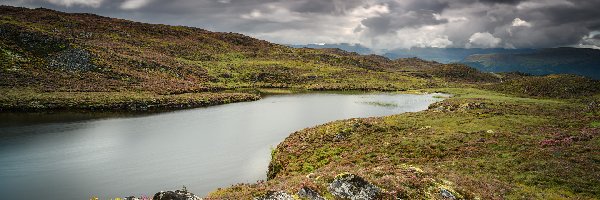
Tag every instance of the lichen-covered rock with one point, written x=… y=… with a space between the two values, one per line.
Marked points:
x=73 y=60
x=350 y=186
x=175 y=195
x=447 y=194
x=308 y=193
x=271 y=195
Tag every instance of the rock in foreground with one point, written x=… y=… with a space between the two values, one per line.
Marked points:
x=309 y=193
x=275 y=196
x=175 y=195
x=350 y=186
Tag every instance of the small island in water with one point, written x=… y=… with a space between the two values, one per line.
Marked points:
x=95 y=107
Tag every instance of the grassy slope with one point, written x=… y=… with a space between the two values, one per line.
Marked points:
x=51 y=52
x=478 y=144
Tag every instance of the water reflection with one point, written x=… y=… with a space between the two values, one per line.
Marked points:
x=202 y=148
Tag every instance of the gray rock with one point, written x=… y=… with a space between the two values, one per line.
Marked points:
x=175 y=195
x=447 y=194
x=73 y=60
x=271 y=195
x=308 y=193
x=350 y=186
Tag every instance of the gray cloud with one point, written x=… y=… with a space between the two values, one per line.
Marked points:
x=334 y=7
x=398 y=20
x=374 y=23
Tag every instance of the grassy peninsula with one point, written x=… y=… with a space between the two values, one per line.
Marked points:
x=479 y=144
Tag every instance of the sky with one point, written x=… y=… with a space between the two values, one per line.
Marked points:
x=378 y=24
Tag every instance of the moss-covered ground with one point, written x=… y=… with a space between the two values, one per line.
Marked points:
x=32 y=100
x=478 y=144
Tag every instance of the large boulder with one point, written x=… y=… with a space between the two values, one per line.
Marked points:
x=175 y=195
x=350 y=186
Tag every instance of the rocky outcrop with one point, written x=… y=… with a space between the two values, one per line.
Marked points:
x=350 y=186
x=175 y=195
x=309 y=193
x=73 y=60
x=271 y=195
x=447 y=194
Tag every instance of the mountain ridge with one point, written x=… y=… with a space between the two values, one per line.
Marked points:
x=545 y=61
x=564 y=60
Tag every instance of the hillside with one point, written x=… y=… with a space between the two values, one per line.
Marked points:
x=446 y=55
x=584 y=62
x=53 y=52
x=356 y=48
x=84 y=52
x=441 y=55
x=579 y=61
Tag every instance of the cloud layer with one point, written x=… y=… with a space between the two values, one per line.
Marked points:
x=380 y=24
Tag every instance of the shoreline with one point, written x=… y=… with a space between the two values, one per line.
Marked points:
x=30 y=101
x=268 y=104
x=428 y=151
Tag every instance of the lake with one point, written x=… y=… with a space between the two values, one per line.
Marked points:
x=79 y=156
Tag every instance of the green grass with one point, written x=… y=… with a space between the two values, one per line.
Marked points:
x=478 y=143
x=33 y=100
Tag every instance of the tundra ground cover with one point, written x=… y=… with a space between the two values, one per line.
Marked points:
x=477 y=144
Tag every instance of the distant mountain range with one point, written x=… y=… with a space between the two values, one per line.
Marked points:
x=585 y=62
x=441 y=55
x=357 y=48
x=447 y=55
x=580 y=61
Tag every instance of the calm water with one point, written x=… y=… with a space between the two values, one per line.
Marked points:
x=203 y=148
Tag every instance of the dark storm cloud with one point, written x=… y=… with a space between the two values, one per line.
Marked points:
x=498 y=1
x=324 y=6
x=375 y=23
x=435 y=5
x=398 y=20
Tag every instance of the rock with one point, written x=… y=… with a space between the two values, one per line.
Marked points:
x=131 y=198
x=73 y=60
x=271 y=195
x=439 y=109
x=308 y=193
x=175 y=195
x=350 y=186
x=342 y=135
x=447 y=194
